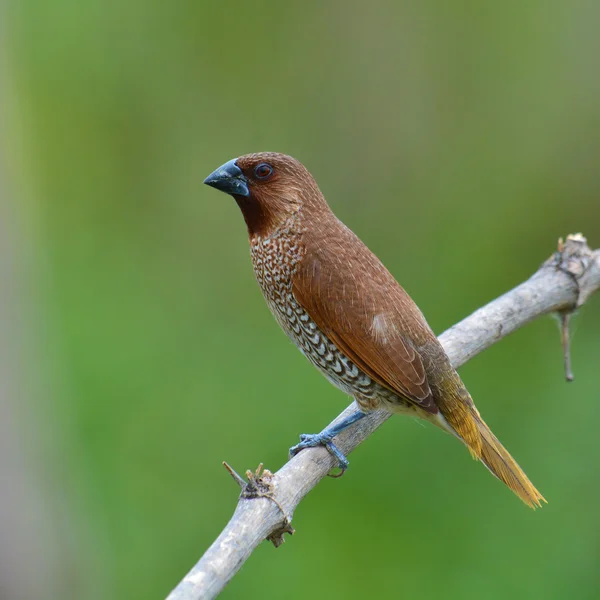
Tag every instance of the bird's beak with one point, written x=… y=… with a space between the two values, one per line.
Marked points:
x=229 y=179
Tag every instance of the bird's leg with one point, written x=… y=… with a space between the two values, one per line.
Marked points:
x=325 y=438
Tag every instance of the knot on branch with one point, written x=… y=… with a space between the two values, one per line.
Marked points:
x=576 y=258
x=261 y=484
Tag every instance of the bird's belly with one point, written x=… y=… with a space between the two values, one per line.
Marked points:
x=328 y=359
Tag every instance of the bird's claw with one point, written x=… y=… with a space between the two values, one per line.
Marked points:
x=310 y=440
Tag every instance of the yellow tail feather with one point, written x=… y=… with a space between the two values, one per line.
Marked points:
x=501 y=464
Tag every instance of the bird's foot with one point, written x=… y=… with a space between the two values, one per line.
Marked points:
x=325 y=438
x=310 y=440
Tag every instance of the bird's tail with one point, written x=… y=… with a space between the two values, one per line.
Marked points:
x=501 y=464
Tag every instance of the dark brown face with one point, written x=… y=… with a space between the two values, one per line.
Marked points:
x=268 y=187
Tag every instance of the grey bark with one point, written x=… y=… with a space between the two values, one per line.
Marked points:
x=267 y=502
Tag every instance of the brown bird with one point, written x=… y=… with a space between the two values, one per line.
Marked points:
x=347 y=314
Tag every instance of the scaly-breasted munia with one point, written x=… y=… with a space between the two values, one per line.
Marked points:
x=347 y=314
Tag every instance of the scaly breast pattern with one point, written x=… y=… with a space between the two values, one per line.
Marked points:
x=274 y=259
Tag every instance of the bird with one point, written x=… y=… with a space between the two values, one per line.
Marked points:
x=348 y=315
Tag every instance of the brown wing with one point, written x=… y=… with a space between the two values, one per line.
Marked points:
x=360 y=307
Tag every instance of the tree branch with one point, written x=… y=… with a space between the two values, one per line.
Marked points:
x=267 y=502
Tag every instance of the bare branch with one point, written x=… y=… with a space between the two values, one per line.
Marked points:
x=563 y=283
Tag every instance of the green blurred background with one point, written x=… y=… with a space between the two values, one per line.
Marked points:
x=459 y=140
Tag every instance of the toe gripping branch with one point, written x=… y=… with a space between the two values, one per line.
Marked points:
x=325 y=438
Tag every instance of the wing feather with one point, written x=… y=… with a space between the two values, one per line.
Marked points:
x=358 y=307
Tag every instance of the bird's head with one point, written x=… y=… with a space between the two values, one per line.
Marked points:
x=268 y=187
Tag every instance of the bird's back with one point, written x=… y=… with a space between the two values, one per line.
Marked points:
x=341 y=277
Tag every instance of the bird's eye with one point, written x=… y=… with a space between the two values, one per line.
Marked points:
x=263 y=171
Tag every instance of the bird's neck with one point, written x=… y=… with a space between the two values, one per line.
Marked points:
x=289 y=227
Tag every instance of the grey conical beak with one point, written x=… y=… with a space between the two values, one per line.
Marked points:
x=229 y=179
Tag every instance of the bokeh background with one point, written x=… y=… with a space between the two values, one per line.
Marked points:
x=459 y=140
